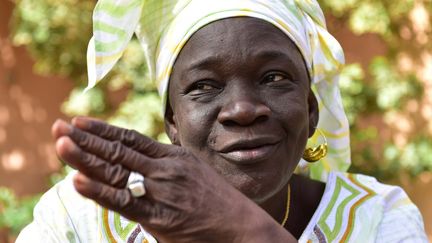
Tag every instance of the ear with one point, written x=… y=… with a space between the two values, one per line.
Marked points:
x=313 y=112
x=171 y=126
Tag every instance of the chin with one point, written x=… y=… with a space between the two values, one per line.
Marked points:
x=259 y=181
x=254 y=189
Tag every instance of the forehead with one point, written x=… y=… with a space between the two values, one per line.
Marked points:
x=235 y=39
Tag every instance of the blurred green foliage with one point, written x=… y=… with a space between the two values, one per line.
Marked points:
x=392 y=88
x=56 y=33
x=15 y=213
x=381 y=88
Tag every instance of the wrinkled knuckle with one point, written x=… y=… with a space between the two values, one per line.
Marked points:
x=116 y=151
x=129 y=137
x=82 y=139
x=117 y=175
x=103 y=193
x=88 y=159
x=103 y=129
x=125 y=201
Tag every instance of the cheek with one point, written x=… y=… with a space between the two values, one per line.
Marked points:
x=294 y=115
x=194 y=127
x=292 y=109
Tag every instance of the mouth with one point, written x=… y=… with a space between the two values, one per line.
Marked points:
x=244 y=152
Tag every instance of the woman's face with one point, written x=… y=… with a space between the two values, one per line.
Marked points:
x=239 y=99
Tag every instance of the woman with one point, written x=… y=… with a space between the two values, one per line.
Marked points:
x=237 y=78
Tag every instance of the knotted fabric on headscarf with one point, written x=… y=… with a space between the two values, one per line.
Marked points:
x=164 y=26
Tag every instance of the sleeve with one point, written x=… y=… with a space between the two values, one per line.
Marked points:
x=402 y=221
x=51 y=222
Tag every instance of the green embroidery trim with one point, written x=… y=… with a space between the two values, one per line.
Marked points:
x=352 y=214
x=105 y=226
x=332 y=234
x=123 y=232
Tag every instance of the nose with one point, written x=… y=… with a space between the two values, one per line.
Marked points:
x=243 y=111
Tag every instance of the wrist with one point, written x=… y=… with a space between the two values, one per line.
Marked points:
x=258 y=226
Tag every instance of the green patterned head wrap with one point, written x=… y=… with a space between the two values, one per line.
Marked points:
x=164 y=26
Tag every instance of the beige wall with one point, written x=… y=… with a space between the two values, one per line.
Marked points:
x=30 y=103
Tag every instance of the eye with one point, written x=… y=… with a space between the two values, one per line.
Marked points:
x=204 y=87
x=274 y=77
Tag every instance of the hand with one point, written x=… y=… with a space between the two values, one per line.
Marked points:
x=185 y=200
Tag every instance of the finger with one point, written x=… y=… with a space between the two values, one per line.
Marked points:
x=93 y=167
x=114 y=152
x=60 y=128
x=114 y=174
x=130 y=138
x=119 y=200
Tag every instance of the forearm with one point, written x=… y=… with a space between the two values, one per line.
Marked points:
x=261 y=227
x=270 y=232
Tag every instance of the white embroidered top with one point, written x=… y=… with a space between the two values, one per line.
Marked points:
x=354 y=208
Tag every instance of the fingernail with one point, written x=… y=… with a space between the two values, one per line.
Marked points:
x=81 y=123
x=65 y=144
x=63 y=126
x=80 y=181
x=80 y=178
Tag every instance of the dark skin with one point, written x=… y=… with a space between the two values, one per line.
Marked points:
x=239 y=115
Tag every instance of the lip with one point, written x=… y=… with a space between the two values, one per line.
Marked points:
x=249 y=151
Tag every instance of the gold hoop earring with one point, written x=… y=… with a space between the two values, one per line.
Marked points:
x=314 y=154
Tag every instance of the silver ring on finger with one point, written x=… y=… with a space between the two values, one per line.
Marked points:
x=135 y=184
